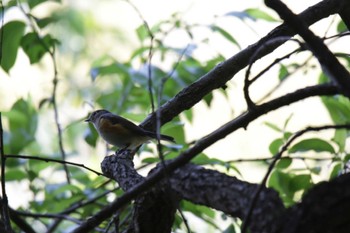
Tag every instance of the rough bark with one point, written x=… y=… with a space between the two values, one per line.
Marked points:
x=154 y=210
x=227 y=194
x=324 y=209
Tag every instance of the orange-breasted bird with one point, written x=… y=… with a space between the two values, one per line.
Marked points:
x=120 y=132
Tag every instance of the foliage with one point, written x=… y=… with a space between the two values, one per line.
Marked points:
x=122 y=86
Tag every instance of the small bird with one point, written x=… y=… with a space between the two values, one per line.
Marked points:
x=120 y=132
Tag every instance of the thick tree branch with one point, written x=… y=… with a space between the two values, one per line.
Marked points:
x=345 y=14
x=154 y=211
x=239 y=122
x=223 y=72
x=324 y=209
x=198 y=185
x=331 y=66
x=227 y=194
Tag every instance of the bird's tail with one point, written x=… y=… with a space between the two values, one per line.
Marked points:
x=162 y=136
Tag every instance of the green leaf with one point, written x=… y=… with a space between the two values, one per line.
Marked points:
x=287 y=121
x=314 y=144
x=287 y=135
x=12 y=33
x=15 y=175
x=188 y=70
x=259 y=14
x=114 y=68
x=230 y=229
x=315 y=170
x=341 y=27
x=300 y=182
x=188 y=114
x=273 y=126
x=36 y=47
x=346 y=158
x=34 y=3
x=225 y=34
x=11 y=3
x=142 y=32
x=280 y=181
x=340 y=137
x=176 y=130
x=283 y=73
x=43 y=22
x=91 y=136
x=208 y=98
x=275 y=146
x=150 y=160
x=203 y=159
x=338 y=108
x=23 y=122
x=284 y=163
x=198 y=210
x=336 y=170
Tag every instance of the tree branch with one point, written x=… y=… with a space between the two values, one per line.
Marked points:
x=227 y=194
x=345 y=14
x=331 y=66
x=239 y=122
x=45 y=159
x=5 y=217
x=224 y=71
x=325 y=208
x=277 y=157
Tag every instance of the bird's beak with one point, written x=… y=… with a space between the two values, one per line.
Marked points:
x=88 y=120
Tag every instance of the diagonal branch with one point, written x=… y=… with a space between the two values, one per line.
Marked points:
x=331 y=66
x=224 y=71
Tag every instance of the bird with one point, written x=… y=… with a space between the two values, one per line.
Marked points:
x=120 y=132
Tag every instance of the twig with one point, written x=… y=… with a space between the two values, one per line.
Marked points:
x=76 y=206
x=158 y=112
x=266 y=159
x=278 y=60
x=280 y=83
x=226 y=70
x=338 y=35
x=54 y=160
x=274 y=161
x=20 y=223
x=114 y=221
x=331 y=66
x=150 y=51
x=184 y=220
x=5 y=207
x=254 y=57
x=54 y=90
x=47 y=215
